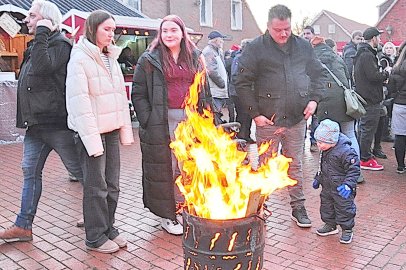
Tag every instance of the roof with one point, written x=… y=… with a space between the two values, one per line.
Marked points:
x=387 y=10
x=347 y=25
x=112 y=6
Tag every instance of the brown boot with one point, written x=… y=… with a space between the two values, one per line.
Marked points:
x=16 y=234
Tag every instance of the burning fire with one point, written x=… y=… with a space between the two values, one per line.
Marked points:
x=215 y=182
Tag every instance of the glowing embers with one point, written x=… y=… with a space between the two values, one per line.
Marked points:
x=223 y=244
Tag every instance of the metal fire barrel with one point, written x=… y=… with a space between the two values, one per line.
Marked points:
x=223 y=244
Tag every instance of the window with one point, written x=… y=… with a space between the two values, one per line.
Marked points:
x=134 y=4
x=331 y=28
x=236 y=15
x=316 y=29
x=206 y=13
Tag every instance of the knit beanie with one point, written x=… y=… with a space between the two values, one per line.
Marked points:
x=327 y=131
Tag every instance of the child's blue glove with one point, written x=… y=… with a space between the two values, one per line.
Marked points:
x=316 y=183
x=344 y=191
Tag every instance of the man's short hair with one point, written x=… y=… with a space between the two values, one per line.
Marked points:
x=49 y=11
x=280 y=12
x=309 y=27
x=356 y=33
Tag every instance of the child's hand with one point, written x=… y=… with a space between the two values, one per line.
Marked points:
x=344 y=191
x=316 y=184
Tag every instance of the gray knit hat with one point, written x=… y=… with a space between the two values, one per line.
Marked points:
x=327 y=131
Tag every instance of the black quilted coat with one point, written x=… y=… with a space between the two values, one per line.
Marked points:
x=150 y=99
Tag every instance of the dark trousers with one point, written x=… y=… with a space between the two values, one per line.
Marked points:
x=368 y=125
x=100 y=190
x=243 y=118
x=334 y=209
x=378 y=134
x=400 y=148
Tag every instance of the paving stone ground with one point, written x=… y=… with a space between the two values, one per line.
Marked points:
x=379 y=235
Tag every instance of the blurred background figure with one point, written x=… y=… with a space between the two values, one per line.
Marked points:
x=350 y=50
x=127 y=58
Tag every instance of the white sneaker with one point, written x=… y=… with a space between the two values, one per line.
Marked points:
x=108 y=247
x=120 y=241
x=172 y=226
x=179 y=219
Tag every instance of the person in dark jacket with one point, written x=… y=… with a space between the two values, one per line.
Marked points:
x=332 y=105
x=386 y=58
x=350 y=50
x=242 y=116
x=287 y=79
x=41 y=111
x=338 y=173
x=369 y=80
x=397 y=89
x=161 y=82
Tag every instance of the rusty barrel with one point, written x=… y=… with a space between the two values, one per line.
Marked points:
x=223 y=244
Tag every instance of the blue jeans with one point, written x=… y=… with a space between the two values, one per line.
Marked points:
x=100 y=189
x=368 y=125
x=38 y=144
x=292 y=140
x=348 y=129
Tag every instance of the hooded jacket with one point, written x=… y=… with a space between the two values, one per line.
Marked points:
x=41 y=83
x=284 y=81
x=340 y=165
x=368 y=78
x=96 y=99
x=150 y=99
x=332 y=105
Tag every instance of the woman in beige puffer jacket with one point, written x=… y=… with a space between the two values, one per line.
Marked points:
x=98 y=111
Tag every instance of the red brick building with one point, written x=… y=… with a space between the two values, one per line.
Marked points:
x=392 y=21
x=330 y=25
x=232 y=18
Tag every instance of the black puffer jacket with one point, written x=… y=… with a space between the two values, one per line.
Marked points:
x=332 y=105
x=284 y=82
x=41 y=84
x=368 y=77
x=340 y=165
x=397 y=84
x=150 y=99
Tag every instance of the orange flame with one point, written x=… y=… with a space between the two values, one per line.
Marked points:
x=215 y=182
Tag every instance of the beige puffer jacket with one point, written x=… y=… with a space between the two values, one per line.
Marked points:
x=96 y=100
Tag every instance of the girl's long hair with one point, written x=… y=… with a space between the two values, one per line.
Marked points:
x=96 y=18
x=186 y=47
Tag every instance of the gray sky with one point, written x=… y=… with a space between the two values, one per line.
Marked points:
x=362 y=11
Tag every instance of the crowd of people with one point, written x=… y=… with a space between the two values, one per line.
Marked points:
x=73 y=100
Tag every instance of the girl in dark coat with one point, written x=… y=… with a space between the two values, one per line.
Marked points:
x=161 y=82
x=397 y=89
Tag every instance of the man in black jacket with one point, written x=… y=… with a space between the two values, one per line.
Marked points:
x=41 y=110
x=350 y=50
x=287 y=86
x=369 y=80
